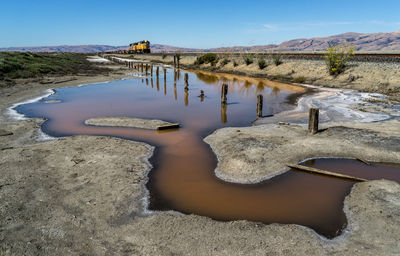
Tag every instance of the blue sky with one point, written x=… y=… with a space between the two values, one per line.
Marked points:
x=197 y=24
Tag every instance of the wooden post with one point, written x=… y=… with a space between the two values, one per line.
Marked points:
x=223 y=93
x=174 y=61
x=165 y=75
x=313 y=120
x=147 y=68
x=186 y=79
x=177 y=60
x=151 y=70
x=323 y=172
x=259 y=105
x=141 y=68
x=158 y=72
x=175 y=76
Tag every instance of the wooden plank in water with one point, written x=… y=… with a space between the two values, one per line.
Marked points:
x=168 y=126
x=323 y=172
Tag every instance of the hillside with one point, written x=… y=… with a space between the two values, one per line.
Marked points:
x=362 y=42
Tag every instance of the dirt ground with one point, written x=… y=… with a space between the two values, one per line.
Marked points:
x=85 y=195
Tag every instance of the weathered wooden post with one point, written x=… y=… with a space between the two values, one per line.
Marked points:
x=174 y=61
x=259 y=105
x=223 y=94
x=186 y=79
x=201 y=95
x=174 y=76
x=147 y=69
x=313 y=120
x=141 y=68
x=177 y=60
x=151 y=71
x=158 y=72
x=165 y=75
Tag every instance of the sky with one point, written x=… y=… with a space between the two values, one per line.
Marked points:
x=193 y=24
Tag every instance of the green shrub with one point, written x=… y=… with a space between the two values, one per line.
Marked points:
x=336 y=58
x=248 y=60
x=278 y=76
x=224 y=62
x=299 y=79
x=207 y=58
x=277 y=58
x=262 y=63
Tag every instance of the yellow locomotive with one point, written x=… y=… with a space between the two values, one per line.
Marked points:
x=140 y=47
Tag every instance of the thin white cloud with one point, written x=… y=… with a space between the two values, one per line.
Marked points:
x=271 y=27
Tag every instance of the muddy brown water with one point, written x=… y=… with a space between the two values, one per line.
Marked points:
x=182 y=178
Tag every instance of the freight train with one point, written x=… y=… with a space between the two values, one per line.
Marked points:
x=139 y=47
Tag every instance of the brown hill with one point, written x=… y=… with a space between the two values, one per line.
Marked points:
x=386 y=42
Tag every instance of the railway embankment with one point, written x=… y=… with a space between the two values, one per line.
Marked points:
x=376 y=73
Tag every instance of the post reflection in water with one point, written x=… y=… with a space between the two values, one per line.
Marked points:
x=175 y=92
x=183 y=176
x=224 y=117
x=186 y=97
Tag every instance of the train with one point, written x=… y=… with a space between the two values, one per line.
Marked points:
x=139 y=47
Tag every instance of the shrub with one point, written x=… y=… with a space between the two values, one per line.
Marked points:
x=262 y=63
x=235 y=64
x=207 y=58
x=224 y=62
x=278 y=76
x=164 y=55
x=336 y=58
x=299 y=79
x=248 y=60
x=277 y=58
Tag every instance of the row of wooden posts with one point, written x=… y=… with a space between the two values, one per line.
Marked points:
x=312 y=121
x=313 y=112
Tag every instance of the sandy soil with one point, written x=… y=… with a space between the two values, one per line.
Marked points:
x=84 y=195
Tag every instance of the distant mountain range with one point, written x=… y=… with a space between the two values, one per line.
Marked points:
x=362 y=42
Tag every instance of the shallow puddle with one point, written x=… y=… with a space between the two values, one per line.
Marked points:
x=183 y=175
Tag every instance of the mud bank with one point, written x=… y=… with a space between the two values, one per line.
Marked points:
x=251 y=154
x=363 y=76
x=86 y=195
x=126 y=122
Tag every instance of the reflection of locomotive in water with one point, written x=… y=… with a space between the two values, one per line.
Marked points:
x=140 y=47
